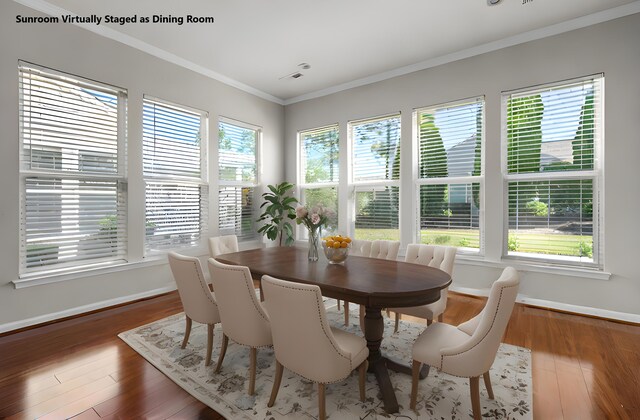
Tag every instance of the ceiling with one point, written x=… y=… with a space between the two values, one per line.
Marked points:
x=256 y=42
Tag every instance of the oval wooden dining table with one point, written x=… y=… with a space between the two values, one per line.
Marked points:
x=372 y=282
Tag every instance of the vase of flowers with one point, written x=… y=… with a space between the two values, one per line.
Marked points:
x=313 y=219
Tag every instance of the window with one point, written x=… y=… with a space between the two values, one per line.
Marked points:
x=238 y=163
x=174 y=165
x=72 y=172
x=450 y=176
x=553 y=138
x=376 y=177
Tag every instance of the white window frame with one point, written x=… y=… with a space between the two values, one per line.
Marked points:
x=256 y=185
x=452 y=180
x=202 y=182
x=365 y=186
x=596 y=175
x=120 y=177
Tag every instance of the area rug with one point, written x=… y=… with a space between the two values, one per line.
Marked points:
x=440 y=396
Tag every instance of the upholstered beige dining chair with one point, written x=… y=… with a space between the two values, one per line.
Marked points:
x=469 y=350
x=437 y=256
x=197 y=300
x=385 y=250
x=243 y=318
x=304 y=342
x=359 y=248
x=219 y=245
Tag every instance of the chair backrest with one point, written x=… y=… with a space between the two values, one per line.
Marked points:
x=219 y=245
x=476 y=356
x=437 y=256
x=385 y=250
x=360 y=248
x=302 y=339
x=243 y=317
x=197 y=300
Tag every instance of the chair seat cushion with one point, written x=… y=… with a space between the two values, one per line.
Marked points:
x=438 y=336
x=352 y=343
x=430 y=311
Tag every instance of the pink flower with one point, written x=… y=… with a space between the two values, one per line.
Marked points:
x=315 y=218
x=301 y=212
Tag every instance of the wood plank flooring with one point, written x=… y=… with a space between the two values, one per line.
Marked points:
x=582 y=367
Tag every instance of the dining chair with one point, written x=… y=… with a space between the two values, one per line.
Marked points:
x=469 y=349
x=359 y=248
x=386 y=250
x=305 y=344
x=243 y=318
x=442 y=257
x=219 y=245
x=198 y=302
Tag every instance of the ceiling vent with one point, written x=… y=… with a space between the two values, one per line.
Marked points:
x=297 y=74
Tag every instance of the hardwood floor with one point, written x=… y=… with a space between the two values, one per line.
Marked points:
x=582 y=367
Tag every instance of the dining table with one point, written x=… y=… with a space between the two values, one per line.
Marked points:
x=374 y=283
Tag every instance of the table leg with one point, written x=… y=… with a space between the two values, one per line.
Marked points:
x=373 y=331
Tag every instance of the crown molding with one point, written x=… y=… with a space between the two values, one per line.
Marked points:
x=556 y=29
x=49 y=9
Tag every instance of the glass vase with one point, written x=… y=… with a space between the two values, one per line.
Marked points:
x=314 y=239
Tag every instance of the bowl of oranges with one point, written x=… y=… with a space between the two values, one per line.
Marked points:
x=336 y=248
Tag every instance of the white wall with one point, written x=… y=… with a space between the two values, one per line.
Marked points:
x=612 y=48
x=77 y=51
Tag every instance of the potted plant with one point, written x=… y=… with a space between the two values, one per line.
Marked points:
x=278 y=211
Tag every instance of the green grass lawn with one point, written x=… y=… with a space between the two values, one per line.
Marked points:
x=539 y=243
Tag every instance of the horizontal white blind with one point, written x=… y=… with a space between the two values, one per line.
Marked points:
x=67 y=124
x=376 y=149
x=553 y=135
x=237 y=153
x=173 y=144
x=377 y=213
x=553 y=129
x=171 y=141
x=73 y=198
x=236 y=212
x=320 y=155
x=327 y=198
x=175 y=214
x=450 y=215
x=450 y=140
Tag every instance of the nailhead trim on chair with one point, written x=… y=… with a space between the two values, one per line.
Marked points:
x=487 y=333
x=201 y=281
x=244 y=273
x=339 y=351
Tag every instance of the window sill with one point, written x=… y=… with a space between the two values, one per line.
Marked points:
x=150 y=260
x=535 y=267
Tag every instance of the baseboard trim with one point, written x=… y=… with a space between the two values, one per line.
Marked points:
x=12 y=327
x=605 y=314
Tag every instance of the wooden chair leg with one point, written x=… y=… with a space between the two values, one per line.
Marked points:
x=441 y=318
x=252 y=371
x=395 y=328
x=322 y=414
x=362 y=318
x=209 y=344
x=429 y=322
x=187 y=332
x=487 y=384
x=276 y=384
x=362 y=373
x=415 y=376
x=346 y=313
x=223 y=351
x=388 y=313
x=338 y=304
x=475 y=397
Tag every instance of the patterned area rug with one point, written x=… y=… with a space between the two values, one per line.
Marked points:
x=440 y=396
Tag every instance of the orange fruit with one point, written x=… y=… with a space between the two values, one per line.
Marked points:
x=347 y=240
x=344 y=244
x=336 y=244
x=329 y=243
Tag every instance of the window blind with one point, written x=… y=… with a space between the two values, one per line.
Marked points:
x=377 y=210
x=553 y=135
x=376 y=149
x=238 y=162
x=73 y=189
x=320 y=155
x=174 y=156
x=449 y=173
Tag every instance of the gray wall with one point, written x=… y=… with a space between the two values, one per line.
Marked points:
x=610 y=47
x=77 y=51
